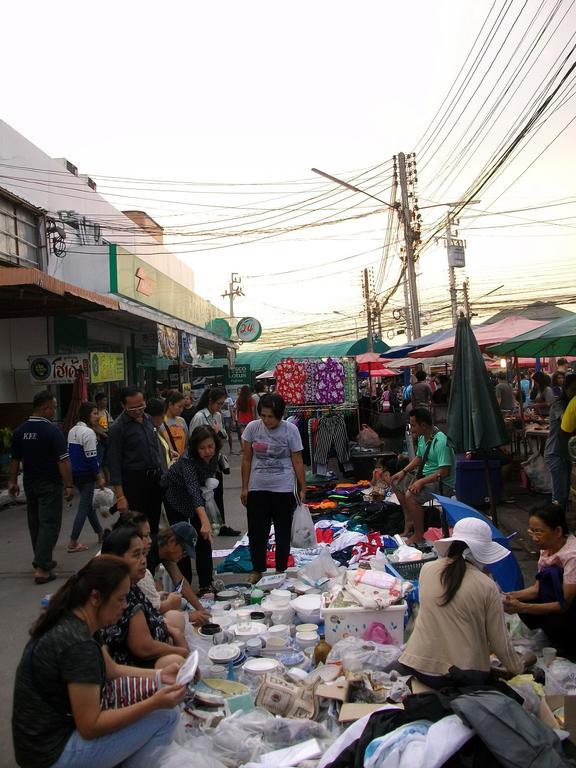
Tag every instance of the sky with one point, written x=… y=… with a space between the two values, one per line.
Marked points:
x=211 y=115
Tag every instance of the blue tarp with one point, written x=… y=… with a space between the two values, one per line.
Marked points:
x=507 y=572
x=422 y=341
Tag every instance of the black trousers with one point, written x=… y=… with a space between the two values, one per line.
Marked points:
x=219 y=495
x=204 y=564
x=265 y=508
x=44 y=505
x=144 y=494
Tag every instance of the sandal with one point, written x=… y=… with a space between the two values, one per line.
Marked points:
x=44 y=579
x=77 y=548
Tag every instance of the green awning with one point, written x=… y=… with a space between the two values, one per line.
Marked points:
x=266 y=359
x=553 y=339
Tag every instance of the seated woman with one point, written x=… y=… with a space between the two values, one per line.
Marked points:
x=549 y=603
x=461 y=619
x=57 y=718
x=142 y=636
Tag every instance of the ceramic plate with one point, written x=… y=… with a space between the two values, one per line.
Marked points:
x=222 y=654
x=253 y=629
x=260 y=666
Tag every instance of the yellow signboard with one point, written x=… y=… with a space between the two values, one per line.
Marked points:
x=106 y=366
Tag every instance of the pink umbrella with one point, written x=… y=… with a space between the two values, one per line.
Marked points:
x=375 y=369
x=485 y=336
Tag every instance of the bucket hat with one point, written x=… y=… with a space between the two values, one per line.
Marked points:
x=477 y=534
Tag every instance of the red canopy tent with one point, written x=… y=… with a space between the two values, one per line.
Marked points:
x=485 y=336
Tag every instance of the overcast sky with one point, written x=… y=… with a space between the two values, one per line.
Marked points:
x=258 y=92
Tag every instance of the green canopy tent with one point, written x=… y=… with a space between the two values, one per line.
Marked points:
x=266 y=359
x=553 y=339
x=474 y=418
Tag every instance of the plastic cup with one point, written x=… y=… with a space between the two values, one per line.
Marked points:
x=548 y=656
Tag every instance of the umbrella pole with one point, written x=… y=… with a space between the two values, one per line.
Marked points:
x=493 y=510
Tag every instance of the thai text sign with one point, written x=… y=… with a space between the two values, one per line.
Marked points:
x=58 y=369
x=106 y=366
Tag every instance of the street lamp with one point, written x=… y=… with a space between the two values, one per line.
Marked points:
x=350 y=317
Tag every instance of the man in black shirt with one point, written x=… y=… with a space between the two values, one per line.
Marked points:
x=41 y=447
x=134 y=459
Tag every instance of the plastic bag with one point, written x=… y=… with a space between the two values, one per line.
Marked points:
x=537 y=473
x=320 y=570
x=561 y=678
x=210 y=505
x=368 y=438
x=103 y=500
x=363 y=654
x=303 y=531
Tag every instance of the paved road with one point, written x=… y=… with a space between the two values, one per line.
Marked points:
x=20 y=597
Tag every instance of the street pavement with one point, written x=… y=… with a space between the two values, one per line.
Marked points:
x=20 y=597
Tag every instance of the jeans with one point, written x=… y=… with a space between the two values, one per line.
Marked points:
x=265 y=508
x=559 y=469
x=44 y=506
x=132 y=746
x=85 y=486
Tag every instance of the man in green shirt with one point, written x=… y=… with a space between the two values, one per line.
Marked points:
x=435 y=468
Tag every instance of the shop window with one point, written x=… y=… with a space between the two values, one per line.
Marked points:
x=18 y=235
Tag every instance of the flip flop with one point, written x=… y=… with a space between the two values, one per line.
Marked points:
x=44 y=579
x=77 y=548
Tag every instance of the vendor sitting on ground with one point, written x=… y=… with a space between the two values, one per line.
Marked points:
x=435 y=468
x=549 y=603
x=142 y=637
x=57 y=718
x=166 y=548
x=461 y=619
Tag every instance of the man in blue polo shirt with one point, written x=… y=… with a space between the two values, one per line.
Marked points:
x=41 y=447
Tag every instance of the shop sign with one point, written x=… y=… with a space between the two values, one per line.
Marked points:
x=137 y=280
x=189 y=348
x=167 y=342
x=249 y=329
x=106 y=366
x=239 y=376
x=58 y=369
x=456 y=253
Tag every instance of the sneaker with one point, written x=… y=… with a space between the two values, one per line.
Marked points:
x=225 y=530
x=254 y=577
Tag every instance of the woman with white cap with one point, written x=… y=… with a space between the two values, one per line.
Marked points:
x=461 y=618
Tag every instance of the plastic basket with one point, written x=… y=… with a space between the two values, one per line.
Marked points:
x=341 y=622
x=408 y=571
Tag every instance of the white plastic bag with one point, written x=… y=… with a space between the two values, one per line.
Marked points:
x=320 y=570
x=537 y=472
x=210 y=505
x=103 y=500
x=303 y=531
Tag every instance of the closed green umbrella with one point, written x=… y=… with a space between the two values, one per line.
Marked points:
x=553 y=339
x=474 y=421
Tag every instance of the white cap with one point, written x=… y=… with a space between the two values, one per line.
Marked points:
x=478 y=536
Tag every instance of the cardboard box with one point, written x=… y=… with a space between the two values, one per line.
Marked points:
x=555 y=702
x=351 y=712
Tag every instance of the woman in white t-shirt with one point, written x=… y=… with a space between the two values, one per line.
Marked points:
x=227 y=418
x=271 y=468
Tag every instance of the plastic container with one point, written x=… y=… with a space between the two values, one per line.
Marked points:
x=340 y=622
x=471 y=485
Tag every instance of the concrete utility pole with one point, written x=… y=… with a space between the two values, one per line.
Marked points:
x=367 y=299
x=234 y=291
x=409 y=245
x=451 y=274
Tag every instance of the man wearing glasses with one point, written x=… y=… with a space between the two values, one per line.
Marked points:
x=134 y=459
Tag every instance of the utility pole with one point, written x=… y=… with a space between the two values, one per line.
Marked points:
x=409 y=246
x=367 y=298
x=465 y=287
x=451 y=274
x=234 y=291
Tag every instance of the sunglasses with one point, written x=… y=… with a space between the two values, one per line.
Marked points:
x=136 y=408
